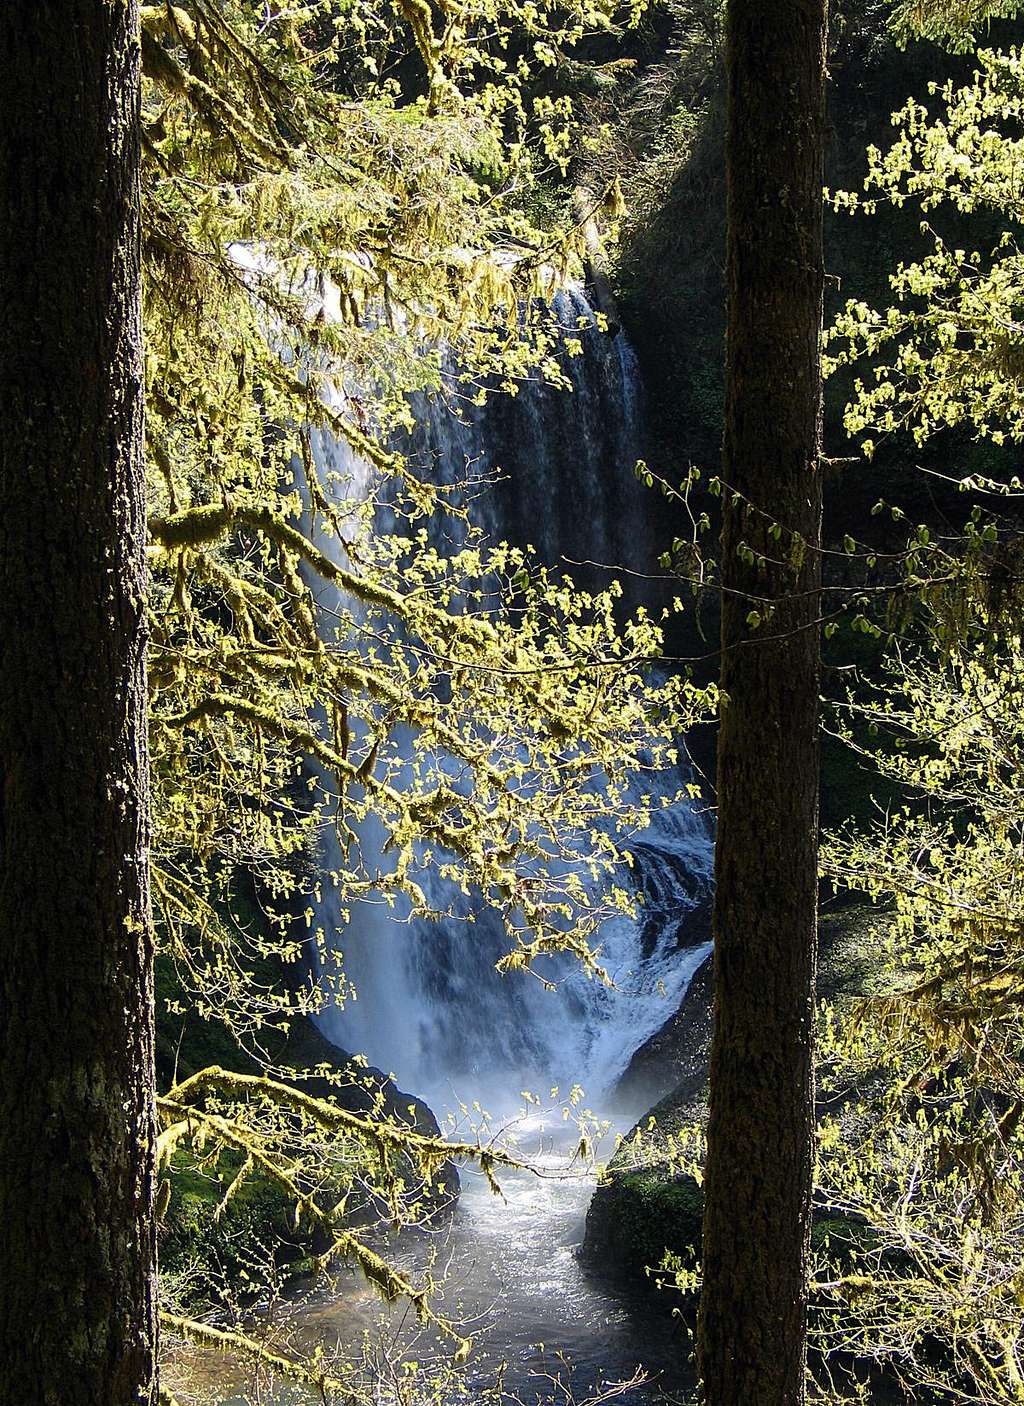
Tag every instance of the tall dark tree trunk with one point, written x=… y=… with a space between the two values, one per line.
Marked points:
x=752 y=1329
x=77 y=1240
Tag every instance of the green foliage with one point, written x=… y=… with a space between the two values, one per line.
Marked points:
x=942 y=721
x=334 y=200
x=949 y=864
x=924 y=1145
x=928 y=1165
x=954 y=23
x=947 y=353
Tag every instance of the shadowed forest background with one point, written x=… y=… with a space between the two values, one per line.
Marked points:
x=404 y=695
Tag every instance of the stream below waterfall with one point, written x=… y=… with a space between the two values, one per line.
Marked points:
x=432 y=1010
x=543 y=1323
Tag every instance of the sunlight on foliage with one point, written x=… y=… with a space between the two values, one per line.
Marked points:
x=334 y=201
x=947 y=353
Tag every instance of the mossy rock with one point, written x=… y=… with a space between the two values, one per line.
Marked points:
x=639 y=1217
x=203 y=1248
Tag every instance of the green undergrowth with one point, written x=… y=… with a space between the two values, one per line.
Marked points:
x=217 y=1244
x=205 y=1246
x=206 y=1242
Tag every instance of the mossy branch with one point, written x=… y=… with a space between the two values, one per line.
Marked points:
x=330 y=1116
x=422 y=811
x=386 y=1280
x=229 y=1340
x=203 y=525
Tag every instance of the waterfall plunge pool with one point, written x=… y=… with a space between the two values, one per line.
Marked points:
x=546 y=1327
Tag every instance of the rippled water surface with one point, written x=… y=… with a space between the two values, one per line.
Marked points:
x=513 y=1275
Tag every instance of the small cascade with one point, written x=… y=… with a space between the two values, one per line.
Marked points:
x=429 y=1005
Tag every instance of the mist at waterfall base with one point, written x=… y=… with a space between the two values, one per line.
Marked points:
x=430 y=1007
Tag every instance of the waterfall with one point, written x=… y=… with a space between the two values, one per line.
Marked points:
x=565 y=457
x=429 y=1005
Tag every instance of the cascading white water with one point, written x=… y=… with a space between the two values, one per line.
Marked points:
x=565 y=458
x=430 y=1006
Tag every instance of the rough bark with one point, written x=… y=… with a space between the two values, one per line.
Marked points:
x=77 y=1240
x=752 y=1329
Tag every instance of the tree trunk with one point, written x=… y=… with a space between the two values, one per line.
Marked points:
x=752 y=1328
x=77 y=1238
